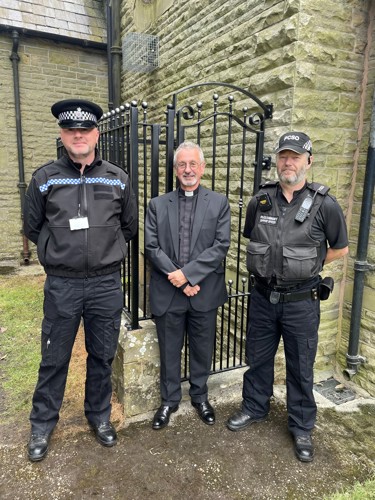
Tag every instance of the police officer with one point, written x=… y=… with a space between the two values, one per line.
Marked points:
x=295 y=227
x=80 y=211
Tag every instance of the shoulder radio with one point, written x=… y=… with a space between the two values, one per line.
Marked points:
x=304 y=209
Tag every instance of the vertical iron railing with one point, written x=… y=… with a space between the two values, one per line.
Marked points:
x=130 y=141
x=228 y=137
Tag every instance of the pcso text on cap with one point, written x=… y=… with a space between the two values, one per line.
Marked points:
x=294 y=141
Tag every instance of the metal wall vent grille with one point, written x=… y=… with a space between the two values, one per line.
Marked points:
x=140 y=52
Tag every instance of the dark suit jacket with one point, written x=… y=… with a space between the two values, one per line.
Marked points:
x=209 y=245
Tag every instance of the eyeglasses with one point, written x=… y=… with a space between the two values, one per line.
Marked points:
x=193 y=165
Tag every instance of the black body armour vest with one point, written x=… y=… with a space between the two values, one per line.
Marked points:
x=281 y=247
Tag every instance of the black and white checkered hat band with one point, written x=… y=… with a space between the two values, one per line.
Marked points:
x=77 y=115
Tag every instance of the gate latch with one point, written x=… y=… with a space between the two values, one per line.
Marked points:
x=266 y=163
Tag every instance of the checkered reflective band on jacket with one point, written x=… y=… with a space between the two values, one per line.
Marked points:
x=87 y=180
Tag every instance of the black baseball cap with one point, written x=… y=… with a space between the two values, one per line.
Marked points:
x=77 y=113
x=295 y=141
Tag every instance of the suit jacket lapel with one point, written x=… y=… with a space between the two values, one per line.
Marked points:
x=173 y=220
x=200 y=212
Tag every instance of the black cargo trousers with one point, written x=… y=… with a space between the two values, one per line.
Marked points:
x=98 y=301
x=297 y=323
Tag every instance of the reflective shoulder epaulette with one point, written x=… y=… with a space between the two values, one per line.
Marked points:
x=44 y=165
x=268 y=184
x=110 y=162
x=318 y=188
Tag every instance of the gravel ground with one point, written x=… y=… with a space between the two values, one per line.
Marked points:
x=189 y=459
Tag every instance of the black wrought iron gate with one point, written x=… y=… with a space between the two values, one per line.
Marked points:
x=229 y=124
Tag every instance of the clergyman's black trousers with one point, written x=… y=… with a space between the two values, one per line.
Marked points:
x=181 y=318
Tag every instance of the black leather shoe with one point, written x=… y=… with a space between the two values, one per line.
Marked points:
x=37 y=447
x=304 y=448
x=105 y=433
x=205 y=412
x=241 y=420
x=161 y=417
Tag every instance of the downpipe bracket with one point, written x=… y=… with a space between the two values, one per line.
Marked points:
x=363 y=266
x=353 y=364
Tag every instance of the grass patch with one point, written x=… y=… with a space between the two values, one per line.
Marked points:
x=21 y=314
x=21 y=311
x=365 y=491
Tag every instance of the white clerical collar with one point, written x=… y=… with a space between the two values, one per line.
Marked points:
x=189 y=193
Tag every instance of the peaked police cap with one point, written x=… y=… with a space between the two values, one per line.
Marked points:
x=77 y=113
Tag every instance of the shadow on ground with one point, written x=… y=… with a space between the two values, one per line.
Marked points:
x=191 y=460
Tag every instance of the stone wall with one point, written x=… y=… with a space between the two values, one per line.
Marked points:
x=313 y=59
x=10 y=218
x=48 y=71
x=308 y=58
x=366 y=373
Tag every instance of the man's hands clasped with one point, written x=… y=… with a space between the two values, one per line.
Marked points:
x=178 y=279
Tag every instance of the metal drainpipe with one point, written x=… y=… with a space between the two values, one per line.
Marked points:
x=109 y=59
x=114 y=39
x=361 y=266
x=114 y=53
x=21 y=184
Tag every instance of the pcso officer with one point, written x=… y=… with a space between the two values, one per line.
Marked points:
x=80 y=211
x=294 y=227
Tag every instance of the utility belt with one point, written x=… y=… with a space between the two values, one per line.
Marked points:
x=277 y=295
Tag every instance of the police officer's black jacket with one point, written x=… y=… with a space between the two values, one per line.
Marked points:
x=57 y=193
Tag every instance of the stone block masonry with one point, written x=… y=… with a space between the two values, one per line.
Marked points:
x=136 y=369
x=310 y=59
